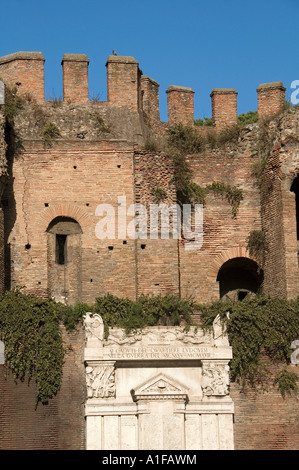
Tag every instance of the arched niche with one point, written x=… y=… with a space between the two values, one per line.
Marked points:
x=64 y=259
x=239 y=277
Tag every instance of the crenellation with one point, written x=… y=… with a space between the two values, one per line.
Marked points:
x=123 y=82
x=128 y=87
x=75 y=78
x=224 y=107
x=150 y=100
x=24 y=70
x=180 y=101
x=271 y=98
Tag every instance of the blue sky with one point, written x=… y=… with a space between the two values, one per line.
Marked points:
x=198 y=44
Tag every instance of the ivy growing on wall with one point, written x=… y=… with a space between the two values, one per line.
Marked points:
x=31 y=330
x=13 y=104
x=50 y=133
x=260 y=331
x=29 y=327
x=256 y=246
x=266 y=134
x=189 y=192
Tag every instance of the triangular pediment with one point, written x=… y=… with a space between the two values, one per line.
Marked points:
x=160 y=387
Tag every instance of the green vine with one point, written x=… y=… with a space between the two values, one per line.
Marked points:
x=158 y=195
x=189 y=192
x=31 y=330
x=257 y=328
x=286 y=382
x=29 y=327
x=50 y=133
x=13 y=104
x=188 y=139
x=260 y=331
x=256 y=246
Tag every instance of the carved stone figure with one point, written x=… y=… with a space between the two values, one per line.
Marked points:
x=94 y=326
x=161 y=386
x=215 y=379
x=219 y=330
x=100 y=381
x=159 y=336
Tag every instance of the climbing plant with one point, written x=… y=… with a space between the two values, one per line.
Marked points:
x=31 y=330
x=50 y=133
x=256 y=246
x=260 y=331
x=29 y=327
x=189 y=192
x=13 y=104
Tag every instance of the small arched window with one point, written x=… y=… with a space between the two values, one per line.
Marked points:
x=62 y=227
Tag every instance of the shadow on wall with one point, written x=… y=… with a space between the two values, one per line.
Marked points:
x=8 y=200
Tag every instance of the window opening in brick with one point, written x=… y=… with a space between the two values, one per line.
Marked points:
x=239 y=277
x=242 y=294
x=61 y=246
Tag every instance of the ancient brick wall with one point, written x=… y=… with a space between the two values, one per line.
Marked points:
x=156 y=259
x=271 y=98
x=271 y=209
x=70 y=181
x=224 y=107
x=24 y=71
x=180 y=103
x=225 y=237
x=58 y=425
x=75 y=78
x=3 y=179
x=263 y=419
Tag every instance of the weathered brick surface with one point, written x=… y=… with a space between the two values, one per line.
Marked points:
x=275 y=280
x=271 y=98
x=180 y=103
x=224 y=107
x=75 y=78
x=263 y=419
x=150 y=100
x=24 y=70
x=71 y=182
x=60 y=424
x=98 y=159
x=123 y=82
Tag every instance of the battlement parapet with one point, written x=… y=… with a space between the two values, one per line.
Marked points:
x=271 y=98
x=224 y=107
x=180 y=102
x=128 y=87
x=75 y=78
x=26 y=71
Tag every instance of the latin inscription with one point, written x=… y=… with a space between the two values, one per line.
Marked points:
x=157 y=353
